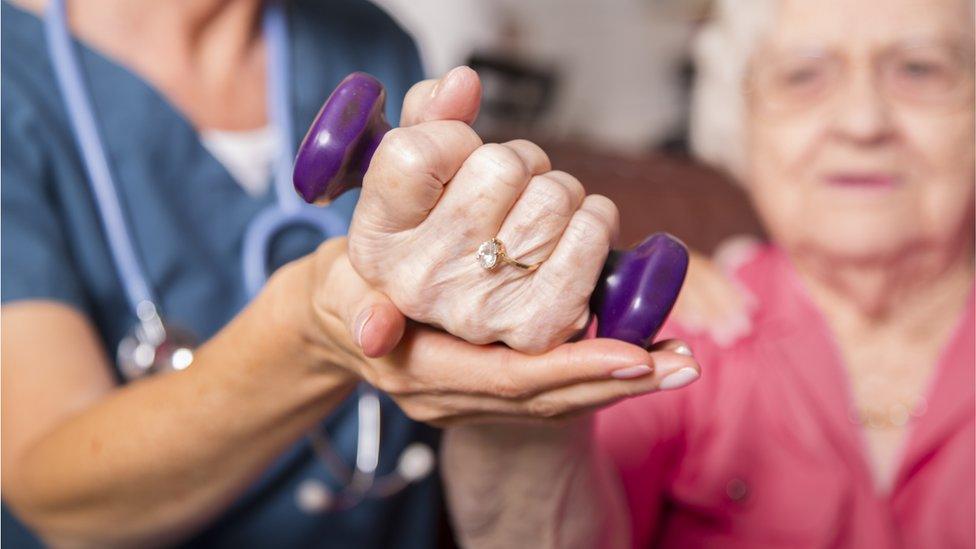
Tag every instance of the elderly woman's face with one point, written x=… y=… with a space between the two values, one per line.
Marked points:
x=861 y=125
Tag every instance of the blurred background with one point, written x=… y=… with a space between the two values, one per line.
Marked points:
x=605 y=91
x=605 y=88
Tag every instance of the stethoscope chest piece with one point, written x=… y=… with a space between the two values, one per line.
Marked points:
x=154 y=347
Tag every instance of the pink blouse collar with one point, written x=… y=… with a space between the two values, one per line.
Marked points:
x=795 y=328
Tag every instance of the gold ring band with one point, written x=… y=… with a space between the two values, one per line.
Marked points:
x=492 y=252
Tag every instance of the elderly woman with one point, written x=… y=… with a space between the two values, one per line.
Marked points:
x=846 y=419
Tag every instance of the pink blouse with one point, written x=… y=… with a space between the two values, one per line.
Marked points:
x=761 y=451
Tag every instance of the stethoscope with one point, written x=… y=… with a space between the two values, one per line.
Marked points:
x=154 y=346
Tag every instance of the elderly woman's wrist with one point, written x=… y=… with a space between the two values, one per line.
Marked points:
x=546 y=437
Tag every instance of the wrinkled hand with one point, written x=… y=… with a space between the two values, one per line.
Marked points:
x=440 y=379
x=434 y=192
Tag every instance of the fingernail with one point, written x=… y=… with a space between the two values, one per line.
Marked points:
x=361 y=321
x=437 y=86
x=683 y=350
x=678 y=379
x=632 y=372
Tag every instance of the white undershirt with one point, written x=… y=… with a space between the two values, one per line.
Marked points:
x=247 y=155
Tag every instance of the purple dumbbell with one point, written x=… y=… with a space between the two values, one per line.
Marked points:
x=637 y=288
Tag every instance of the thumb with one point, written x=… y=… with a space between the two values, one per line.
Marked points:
x=378 y=325
x=456 y=96
x=372 y=321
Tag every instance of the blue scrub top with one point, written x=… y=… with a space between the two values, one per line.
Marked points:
x=187 y=217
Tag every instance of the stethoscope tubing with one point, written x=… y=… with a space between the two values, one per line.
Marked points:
x=82 y=121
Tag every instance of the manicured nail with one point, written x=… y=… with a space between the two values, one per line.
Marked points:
x=683 y=350
x=361 y=321
x=678 y=379
x=632 y=372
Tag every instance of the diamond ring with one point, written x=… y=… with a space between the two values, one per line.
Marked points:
x=492 y=252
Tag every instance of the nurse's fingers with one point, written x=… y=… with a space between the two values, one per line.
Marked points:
x=408 y=173
x=674 y=345
x=429 y=361
x=672 y=371
x=455 y=96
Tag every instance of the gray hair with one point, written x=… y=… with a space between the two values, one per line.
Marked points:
x=722 y=50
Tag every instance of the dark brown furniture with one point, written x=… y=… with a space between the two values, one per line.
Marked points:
x=661 y=192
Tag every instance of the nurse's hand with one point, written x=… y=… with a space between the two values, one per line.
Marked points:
x=440 y=379
x=434 y=193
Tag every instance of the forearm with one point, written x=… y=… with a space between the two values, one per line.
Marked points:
x=156 y=460
x=532 y=486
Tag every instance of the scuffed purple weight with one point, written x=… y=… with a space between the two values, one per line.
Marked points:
x=338 y=147
x=638 y=288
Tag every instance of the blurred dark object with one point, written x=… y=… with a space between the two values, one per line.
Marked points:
x=661 y=192
x=677 y=143
x=515 y=94
x=14 y=534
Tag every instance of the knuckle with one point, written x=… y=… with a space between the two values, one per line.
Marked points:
x=404 y=150
x=475 y=328
x=505 y=387
x=572 y=185
x=537 y=158
x=501 y=163
x=459 y=131
x=596 y=222
x=544 y=408
x=587 y=228
x=604 y=209
x=535 y=338
x=551 y=197
x=502 y=383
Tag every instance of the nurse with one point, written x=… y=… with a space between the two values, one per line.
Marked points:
x=215 y=455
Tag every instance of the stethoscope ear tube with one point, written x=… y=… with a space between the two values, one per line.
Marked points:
x=81 y=118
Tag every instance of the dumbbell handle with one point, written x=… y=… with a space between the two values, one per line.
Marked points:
x=637 y=288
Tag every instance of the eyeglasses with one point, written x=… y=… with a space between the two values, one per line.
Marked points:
x=930 y=75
